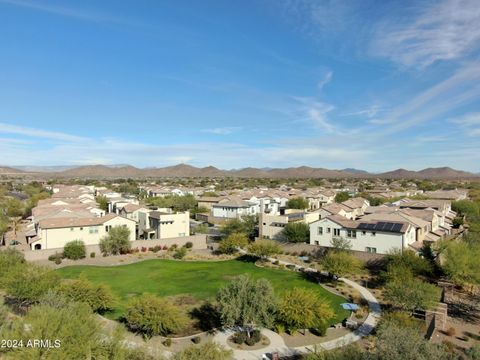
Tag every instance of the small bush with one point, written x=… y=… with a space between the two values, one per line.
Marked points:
x=180 y=253
x=92 y=254
x=196 y=340
x=279 y=328
x=173 y=247
x=250 y=341
x=239 y=337
x=167 y=342
x=144 y=249
x=58 y=260
x=451 y=331
x=156 y=248
x=55 y=256
x=256 y=335
x=74 y=250
x=189 y=245
x=165 y=247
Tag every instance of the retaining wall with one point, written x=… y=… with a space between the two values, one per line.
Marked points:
x=199 y=242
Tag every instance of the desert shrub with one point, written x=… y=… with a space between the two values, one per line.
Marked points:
x=153 y=315
x=239 y=337
x=58 y=260
x=180 y=253
x=116 y=242
x=250 y=341
x=256 y=335
x=451 y=331
x=189 y=245
x=92 y=254
x=196 y=339
x=98 y=296
x=167 y=342
x=74 y=250
x=55 y=256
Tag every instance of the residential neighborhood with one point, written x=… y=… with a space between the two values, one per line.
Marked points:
x=240 y=180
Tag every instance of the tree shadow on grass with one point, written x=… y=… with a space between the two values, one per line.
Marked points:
x=206 y=316
x=247 y=258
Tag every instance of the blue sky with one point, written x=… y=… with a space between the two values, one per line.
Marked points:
x=375 y=85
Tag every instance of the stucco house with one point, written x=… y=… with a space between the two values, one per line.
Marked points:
x=54 y=233
x=365 y=236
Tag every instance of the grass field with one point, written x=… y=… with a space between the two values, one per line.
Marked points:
x=198 y=279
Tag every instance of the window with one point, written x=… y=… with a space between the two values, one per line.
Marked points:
x=336 y=232
x=317 y=243
x=81 y=229
x=329 y=230
x=351 y=233
x=320 y=230
x=371 y=250
x=364 y=232
x=374 y=233
x=93 y=229
x=71 y=229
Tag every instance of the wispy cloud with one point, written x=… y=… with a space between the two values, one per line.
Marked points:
x=470 y=123
x=316 y=112
x=325 y=80
x=444 y=30
x=223 y=130
x=31 y=132
x=459 y=89
x=369 y=112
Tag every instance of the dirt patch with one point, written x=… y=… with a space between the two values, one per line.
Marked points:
x=298 y=339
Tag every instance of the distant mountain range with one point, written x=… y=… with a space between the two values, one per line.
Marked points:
x=184 y=170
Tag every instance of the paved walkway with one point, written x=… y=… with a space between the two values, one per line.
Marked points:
x=277 y=343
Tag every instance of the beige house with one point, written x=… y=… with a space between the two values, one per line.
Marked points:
x=54 y=233
x=163 y=224
x=271 y=226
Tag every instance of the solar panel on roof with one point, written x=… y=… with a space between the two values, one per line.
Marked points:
x=397 y=227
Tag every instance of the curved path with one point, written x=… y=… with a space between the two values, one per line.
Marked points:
x=277 y=343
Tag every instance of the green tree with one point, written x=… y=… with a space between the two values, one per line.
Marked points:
x=14 y=207
x=461 y=263
x=303 y=309
x=246 y=224
x=341 y=244
x=201 y=229
x=264 y=248
x=152 y=315
x=72 y=324
x=232 y=242
x=341 y=263
x=98 y=296
x=12 y=261
x=341 y=197
x=116 y=242
x=394 y=342
x=30 y=283
x=74 y=250
x=296 y=232
x=247 y=303
x=408 y=293
x=409 y=260
x=297 y=203
x=207 y=351
x=102 y=202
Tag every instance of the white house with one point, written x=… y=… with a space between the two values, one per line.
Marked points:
x=371 y=237
x=54 y=233
x=232 y=208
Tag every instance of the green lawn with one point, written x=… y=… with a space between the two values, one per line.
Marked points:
x=200 y=279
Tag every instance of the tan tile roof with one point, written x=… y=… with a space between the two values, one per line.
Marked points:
x=56 y=223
